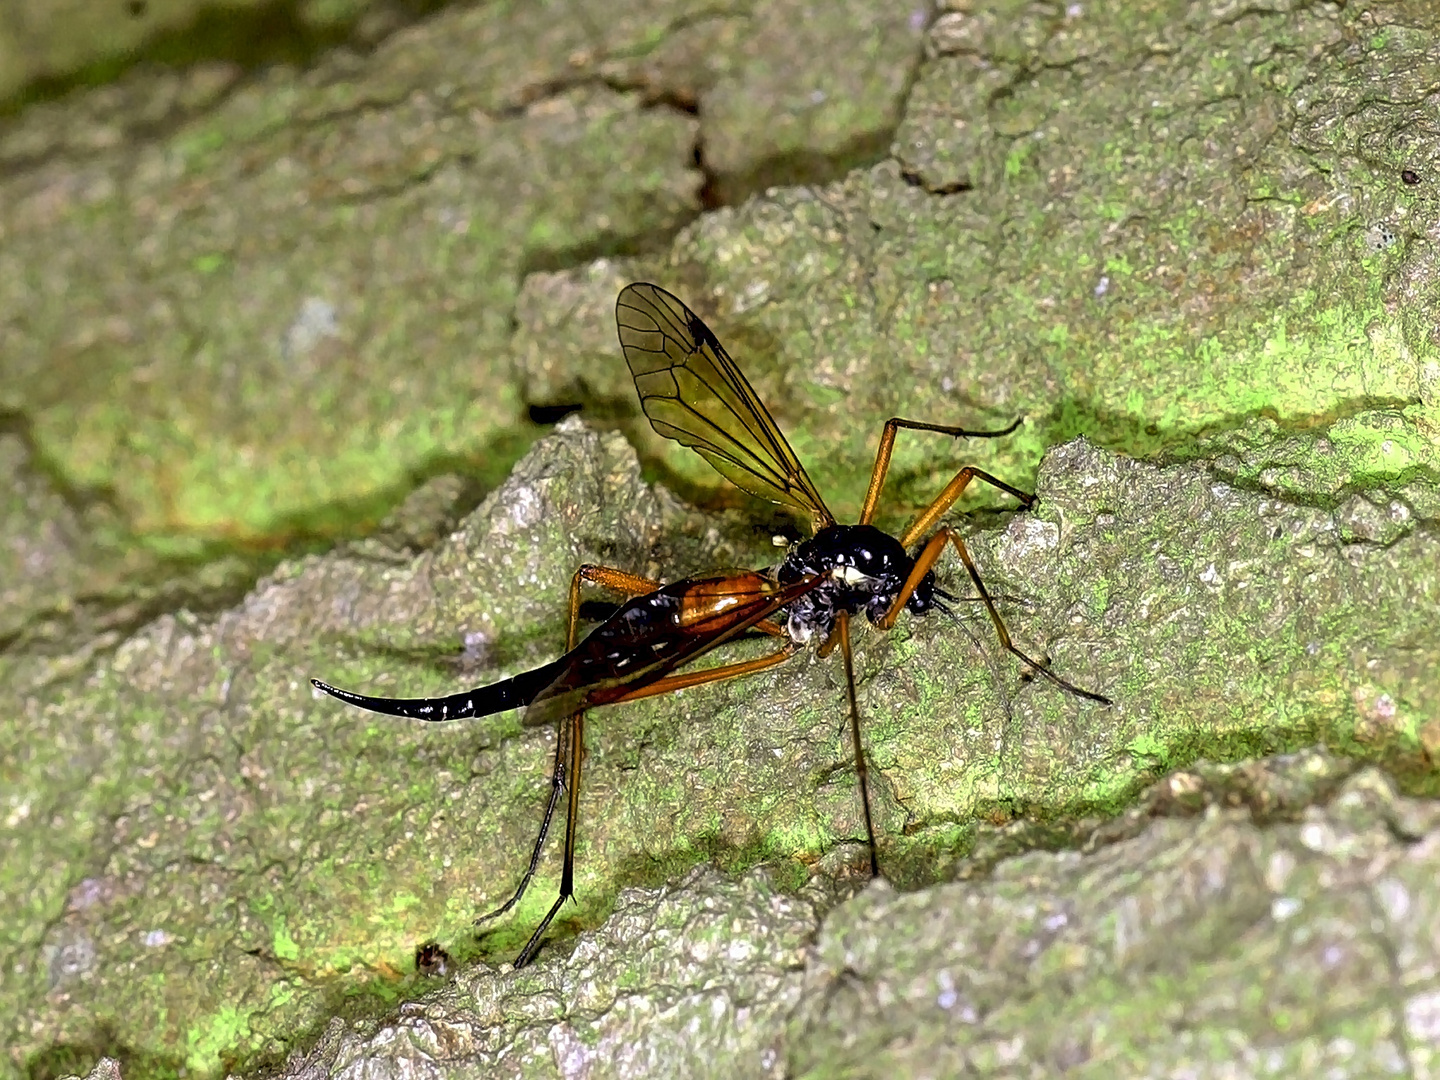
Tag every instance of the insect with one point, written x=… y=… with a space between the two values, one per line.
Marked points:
x=693 y=392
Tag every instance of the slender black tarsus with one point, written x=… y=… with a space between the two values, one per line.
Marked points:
x=843 y=627
x=576 y=740
x=557 y=785
x=1035 y=665
x=995 y=678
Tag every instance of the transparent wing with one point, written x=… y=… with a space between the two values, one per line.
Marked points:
x=643 y=642
x=694 y=393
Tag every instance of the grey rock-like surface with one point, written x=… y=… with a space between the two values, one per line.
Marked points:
x=1212 y=945
x=305 y=828
x=711 y=967
x=1208 y=947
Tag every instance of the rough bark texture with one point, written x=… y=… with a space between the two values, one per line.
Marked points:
x=270 y=342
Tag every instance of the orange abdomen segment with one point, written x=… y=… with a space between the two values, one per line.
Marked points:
x=720 y=598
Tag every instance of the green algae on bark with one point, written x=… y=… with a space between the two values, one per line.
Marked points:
x=1185 y=239
x=310 y=842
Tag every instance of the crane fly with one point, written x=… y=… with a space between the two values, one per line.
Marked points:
x=693 y=392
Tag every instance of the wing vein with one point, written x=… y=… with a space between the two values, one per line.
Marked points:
x=693 y=392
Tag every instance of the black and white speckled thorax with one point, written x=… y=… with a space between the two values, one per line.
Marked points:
x=864 y=570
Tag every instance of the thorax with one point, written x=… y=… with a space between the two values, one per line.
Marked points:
x=862 y=570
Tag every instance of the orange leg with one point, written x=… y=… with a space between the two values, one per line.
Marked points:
x=828 y=645
x=607 y=577
x=887 y=447
x=953 y=491
x=929 y=555
x=576 y=741
x=708 y=675
x=927 y=559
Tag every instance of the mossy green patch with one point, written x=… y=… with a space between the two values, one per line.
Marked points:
x=219 y=1036
x=282 y=944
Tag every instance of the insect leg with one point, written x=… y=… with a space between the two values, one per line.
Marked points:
x=662 y=686
x=671 y=683
x=557 y=784
x=622 y=582
x=953 y=491
x=842 y=625
x=927 y=559
x=1004 y=634
x=576 y=740
x=606 y=577
x=887 y=446
x=567 y=875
